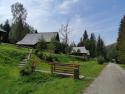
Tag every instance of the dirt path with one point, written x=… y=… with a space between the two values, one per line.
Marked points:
x=110 y=81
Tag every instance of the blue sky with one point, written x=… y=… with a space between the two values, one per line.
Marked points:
x=97 y=16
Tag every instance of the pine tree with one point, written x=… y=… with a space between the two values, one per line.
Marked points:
x=85 y=35
x=86 y=41
x=92 y=45
x=101 y=50
x=7 y=28
x=121 y=42
x=80 y=43
x=73 y=44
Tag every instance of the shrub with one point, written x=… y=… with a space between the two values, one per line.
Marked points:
x=27 y=69
x=39 y=54
x=42 y=45
x=49 y=58
x=100 y=60
x=46 y=56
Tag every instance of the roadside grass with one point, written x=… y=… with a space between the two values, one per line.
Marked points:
x=122 y=65
x=40 y=83
x=90 y=69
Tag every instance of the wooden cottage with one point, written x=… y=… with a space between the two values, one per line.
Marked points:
x=31 y=40
x=2 y=34
x=80 y=51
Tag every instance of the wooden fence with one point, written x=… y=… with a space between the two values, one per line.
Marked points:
x=65 y=69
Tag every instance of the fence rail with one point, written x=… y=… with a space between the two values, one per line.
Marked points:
x=65 y=69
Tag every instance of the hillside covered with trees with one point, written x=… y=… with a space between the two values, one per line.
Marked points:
x=121 y=42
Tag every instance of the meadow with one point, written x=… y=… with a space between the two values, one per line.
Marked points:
x=41 y=83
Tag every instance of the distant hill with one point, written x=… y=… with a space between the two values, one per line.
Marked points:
x=111 y=45
x=111 y=51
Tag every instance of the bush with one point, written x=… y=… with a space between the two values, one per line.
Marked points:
x=46 y=56
x=49 y=58
x=42 y=45
x=27 y=69
x=100 y=60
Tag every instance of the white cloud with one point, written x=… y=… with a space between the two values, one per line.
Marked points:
x=66 y=5
x=76 y=24
x=104 y=27
x=40 y=13
x=34 y=7
x=48 y=15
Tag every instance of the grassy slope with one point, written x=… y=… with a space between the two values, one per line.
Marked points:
x=11 y=54
x=40 y=83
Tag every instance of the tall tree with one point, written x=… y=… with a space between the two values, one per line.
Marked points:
x=1 y=25
x=18 y=12
x=121 y=42
x=73 y=44
x=19 y=21
x=101 y=50
x=92 y=45
x=86 y=41
x=65 y=31
x=7 y=28
x=80 y=43
x=85 y=35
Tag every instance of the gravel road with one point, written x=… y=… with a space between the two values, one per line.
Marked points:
x=110 y=81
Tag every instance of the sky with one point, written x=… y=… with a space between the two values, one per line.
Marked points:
x=96 y=16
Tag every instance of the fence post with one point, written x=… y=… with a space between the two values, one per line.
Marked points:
x=52 y=68
x=76 y=73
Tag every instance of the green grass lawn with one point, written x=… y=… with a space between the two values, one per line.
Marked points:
x=40 y=83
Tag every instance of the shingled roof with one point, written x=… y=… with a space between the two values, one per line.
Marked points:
x=1 y=30
x=32 y=39
x=81 y=49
